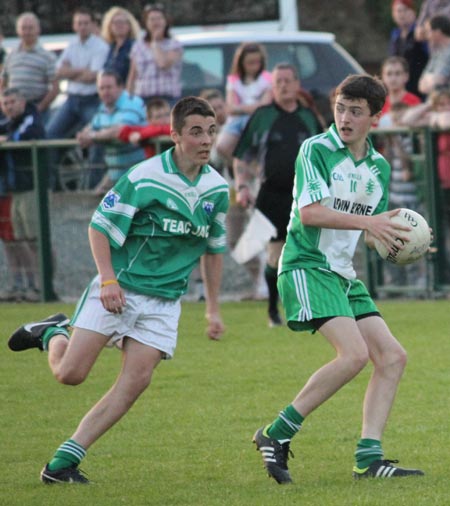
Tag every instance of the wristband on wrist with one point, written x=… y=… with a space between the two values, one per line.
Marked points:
x=109 y=282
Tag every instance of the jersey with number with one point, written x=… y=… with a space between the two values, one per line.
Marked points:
x=326 y=172
x=159 y=223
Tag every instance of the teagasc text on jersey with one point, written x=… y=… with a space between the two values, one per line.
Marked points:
x=184 y=227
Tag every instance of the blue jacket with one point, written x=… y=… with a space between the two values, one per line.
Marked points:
x=16 y=174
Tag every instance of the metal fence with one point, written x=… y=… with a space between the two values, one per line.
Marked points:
x=66 y=266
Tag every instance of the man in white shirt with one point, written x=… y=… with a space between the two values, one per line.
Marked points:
x=79 y=64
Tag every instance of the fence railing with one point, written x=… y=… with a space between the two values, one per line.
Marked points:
x=68 y=211
x=430 y=277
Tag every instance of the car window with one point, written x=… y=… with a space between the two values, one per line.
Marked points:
x=300 y=55
x=203 y=67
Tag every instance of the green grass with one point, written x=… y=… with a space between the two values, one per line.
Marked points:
x=187 y=441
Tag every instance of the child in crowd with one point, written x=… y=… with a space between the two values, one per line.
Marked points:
x=248 y=87
x=158 y=115
x=395 y=75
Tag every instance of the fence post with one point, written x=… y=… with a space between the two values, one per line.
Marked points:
x=433 y=197
x=40 y=183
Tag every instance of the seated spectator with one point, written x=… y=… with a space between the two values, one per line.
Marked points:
x=155 y=70
x=217 y=102
x=117 y=108
x=437 y=71
x=120 y=30
x=394 y=73
x=249 y=86
x=16 y=173
x=158 y=117
x=30 y=68
x=402 y=42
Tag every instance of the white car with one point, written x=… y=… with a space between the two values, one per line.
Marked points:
x=321 y=62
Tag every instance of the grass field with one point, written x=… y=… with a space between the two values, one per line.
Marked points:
x=187 y=441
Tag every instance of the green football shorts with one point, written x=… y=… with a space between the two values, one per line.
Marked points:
x=310 y=294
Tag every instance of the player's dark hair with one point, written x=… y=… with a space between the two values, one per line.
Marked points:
x=359 y=86
x=188 y=106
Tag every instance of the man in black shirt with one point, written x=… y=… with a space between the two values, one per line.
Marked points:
x=272 y=138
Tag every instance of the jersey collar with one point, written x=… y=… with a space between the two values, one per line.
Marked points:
x=337 y=141
x=170 y=167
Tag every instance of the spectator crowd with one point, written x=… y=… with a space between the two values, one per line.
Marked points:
x=123 y=77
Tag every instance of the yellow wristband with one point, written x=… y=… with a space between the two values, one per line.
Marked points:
x=109 y=282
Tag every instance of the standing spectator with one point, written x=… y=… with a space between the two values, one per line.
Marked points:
x=158 y=117
x=23 y=124
x=146 y=236
x=120 y=30
x=30 y=68
x=437 y=71
x=79 y=64
x=394 y=73
x=403 y=43
x=272 y=137
x=249 y=85
x=428 y=10
x=117 y=108
x=156 y=64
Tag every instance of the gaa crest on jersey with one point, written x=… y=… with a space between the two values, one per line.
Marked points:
x=171 y=204
x=208 y=206
x=110 y=200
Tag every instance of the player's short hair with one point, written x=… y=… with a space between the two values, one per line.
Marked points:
x=357 y=86
x=188 y=106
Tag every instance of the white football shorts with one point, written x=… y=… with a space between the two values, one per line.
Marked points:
x=150 y=320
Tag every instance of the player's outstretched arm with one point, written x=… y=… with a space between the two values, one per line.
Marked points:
x=211 y=267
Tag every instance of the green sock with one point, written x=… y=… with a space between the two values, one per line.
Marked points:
x=53 y=331
x=367 y=451
x=68 y=454
x=287 y=424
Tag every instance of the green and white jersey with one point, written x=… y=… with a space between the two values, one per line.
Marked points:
x=159 y=223
x=326 y=172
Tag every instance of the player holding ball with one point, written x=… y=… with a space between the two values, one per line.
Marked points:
x=341 y=189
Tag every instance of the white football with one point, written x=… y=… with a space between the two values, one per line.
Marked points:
x=419 y=239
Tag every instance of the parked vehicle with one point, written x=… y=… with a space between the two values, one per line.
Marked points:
x=321 y=62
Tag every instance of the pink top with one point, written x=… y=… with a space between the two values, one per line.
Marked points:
x=249 y=93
